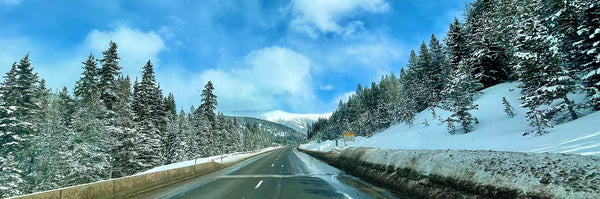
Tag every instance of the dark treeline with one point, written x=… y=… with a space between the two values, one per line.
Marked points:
x=109 y=128
x=551 y=47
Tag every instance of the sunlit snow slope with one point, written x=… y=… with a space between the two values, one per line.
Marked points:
x=296 y=121
x=496 y=131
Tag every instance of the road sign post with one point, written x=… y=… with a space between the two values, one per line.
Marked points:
x=348 y=137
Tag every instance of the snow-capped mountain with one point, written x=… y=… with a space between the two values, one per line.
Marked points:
x=296 y=121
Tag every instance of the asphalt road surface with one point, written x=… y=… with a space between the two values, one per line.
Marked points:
x=282 y=173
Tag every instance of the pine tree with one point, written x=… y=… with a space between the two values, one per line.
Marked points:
x=125 y=156
x=68 y=107
x=528 y=69
x=589 y=32
x=86 y=87
x=508 y=109
x=209 y=102
x=486 y=53
x=147 y=106
x=456 y=44
x=440 y=66
x=10 y=140
x=543 y=78
x=108 y=77
x=459 y=98
x=21 y=102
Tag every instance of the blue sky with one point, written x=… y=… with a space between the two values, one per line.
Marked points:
x=299 y=56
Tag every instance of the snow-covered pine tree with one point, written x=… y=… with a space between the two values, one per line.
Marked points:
x=414 y=83
x=209 y=102
x=407 y=107
x=456 y=44
x=93 y=142
x=68 y=107
x=174 y=141
x=485 y=52
x=146 y=103
x=188 y=140
x=50 y=143
x=428 y=74
x=87 y=86
x=589 y=45
x=543 y=78
x=508 y=109
x=10 y=142
x=20 y=104
x=440 y=64
x=174 y=144
x=108 y=77
x=458 y=96
x=204 y=134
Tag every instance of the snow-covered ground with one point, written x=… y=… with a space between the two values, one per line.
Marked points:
x=226 y=158
x=496 y=131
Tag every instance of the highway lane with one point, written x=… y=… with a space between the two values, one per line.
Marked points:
x=282 y=173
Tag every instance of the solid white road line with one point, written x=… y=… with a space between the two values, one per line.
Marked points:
x=258 y=185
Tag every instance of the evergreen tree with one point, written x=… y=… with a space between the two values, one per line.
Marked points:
x=459 y=98
x=486 y=54
x=508 y=109
x=126 y=158
x=147 y=106
x=456 y=44
x=86 y=87
x=21 y=102
x=209 y=102
x=108 y=77
x=587 y=46
x=543 y=78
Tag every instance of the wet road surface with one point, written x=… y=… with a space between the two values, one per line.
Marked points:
x=282 y=173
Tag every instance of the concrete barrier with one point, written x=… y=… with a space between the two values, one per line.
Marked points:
x=92 y=190
x=53 y=194
x=470 y=174
x=130 y=185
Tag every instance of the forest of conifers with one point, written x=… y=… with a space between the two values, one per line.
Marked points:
x=551 y=47
x=108 y=128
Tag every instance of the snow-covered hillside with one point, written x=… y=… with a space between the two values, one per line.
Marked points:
x=296 y=121
x=495 y=131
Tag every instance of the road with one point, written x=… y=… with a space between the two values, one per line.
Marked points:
x=282 y=173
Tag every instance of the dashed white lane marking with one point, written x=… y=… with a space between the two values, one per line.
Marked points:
x=258 y=185
x=347 y=196
x=272 y=164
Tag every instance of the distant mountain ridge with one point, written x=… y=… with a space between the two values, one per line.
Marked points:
x=295 y=121
x=280 y=132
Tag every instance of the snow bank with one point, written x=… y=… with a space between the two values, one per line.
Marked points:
x=225 y=159
x=471 y=174
x=496 y=131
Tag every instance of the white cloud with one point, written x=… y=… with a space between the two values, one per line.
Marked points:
x=63 y=68
x=372 y=56
x=323 y=16
x=135 y=47
x=344 y=98
x=272 y=78
x=327 y=87
x=10 y=2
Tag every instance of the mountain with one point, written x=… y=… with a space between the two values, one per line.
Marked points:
x=281 y=133
x=295 y=121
